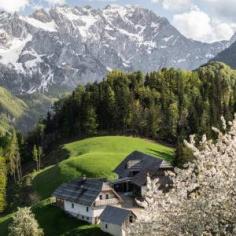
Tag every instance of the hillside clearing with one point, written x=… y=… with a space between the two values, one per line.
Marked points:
x=94 y=157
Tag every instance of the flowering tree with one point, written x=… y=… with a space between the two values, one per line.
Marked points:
x=202 y=198
x=24 y=224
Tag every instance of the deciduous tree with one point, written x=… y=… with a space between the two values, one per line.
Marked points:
x=24 y=224
x=202 y=199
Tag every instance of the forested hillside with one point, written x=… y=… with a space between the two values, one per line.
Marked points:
x=228 y=56
x=167 y=105
x=11 y=109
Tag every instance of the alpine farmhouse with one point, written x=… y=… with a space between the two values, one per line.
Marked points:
x=86 y=198
x=112 y=204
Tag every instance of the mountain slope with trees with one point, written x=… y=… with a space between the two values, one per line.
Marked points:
x=228 y=56
x=167 y=105
x=11 y=109
x=22 y=111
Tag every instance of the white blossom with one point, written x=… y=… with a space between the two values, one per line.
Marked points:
x=202 y=199
x=24 y=224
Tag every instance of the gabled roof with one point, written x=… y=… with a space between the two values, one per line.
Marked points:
x=154 y=171
x=142 y=163
x=82 y=191
x=115 y=215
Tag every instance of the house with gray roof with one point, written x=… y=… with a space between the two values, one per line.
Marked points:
x=133 y=170
x=115 y=220
x=86 y=198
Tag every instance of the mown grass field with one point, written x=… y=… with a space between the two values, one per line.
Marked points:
x=93 y=157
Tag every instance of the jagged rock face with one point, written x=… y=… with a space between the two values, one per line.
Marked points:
x=71 y=45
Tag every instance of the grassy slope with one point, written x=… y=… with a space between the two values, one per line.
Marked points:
x=95 y=157
x=10 y=104
x=25 y=109
x=10 y=107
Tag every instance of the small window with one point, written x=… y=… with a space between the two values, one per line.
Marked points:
x=100 y=197
x=82 y=217
x=87 y=218
x=87 y=209
x=72 y=205
x=107 y=196
x=106 y=226
x=131 y=219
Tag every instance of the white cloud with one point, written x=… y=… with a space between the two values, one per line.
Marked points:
x=175 y=5
x=223 y=8
x=13 y=5
x=198 y=25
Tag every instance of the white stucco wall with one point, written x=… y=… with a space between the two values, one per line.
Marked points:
x=110 y=195
x=112 y=229
x=81 y=212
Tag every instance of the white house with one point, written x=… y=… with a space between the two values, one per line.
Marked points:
x=115 y=220
x=86 y=198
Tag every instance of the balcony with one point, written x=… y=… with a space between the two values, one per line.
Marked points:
x=105 y=202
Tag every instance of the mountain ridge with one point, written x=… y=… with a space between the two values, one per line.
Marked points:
x=228 y=56
x=67 y=46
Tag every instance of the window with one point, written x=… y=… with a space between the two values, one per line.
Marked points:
x=87 y=209
x=106 y=226
x=131 y=219
x=82 y=217
x=72 y=205
x=100 y=197
x=87 y=218
x=107 y=196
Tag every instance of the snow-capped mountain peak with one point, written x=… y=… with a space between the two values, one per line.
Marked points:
x=68 y=45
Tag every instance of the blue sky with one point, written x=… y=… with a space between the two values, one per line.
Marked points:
x=203 y=20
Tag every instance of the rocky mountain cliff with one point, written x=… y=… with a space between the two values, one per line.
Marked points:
x=58 y=49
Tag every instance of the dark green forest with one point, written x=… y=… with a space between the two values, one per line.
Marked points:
x=167 y=105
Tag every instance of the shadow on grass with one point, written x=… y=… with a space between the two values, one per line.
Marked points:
x=4 y=226
x=47 y=181
x=92 y=231
x=57 y=156
x=162 y=155
x=50 y=178
x=54 y=221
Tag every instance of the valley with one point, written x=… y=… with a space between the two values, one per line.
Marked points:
x=87 y=90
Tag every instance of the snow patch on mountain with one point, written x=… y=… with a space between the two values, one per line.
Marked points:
x=167 y=39
x=11 y=53
x=46 y=26
x=67 y=46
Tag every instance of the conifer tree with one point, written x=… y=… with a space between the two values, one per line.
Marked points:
x=36 y=156
x=13 y=158
x=3 y=183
